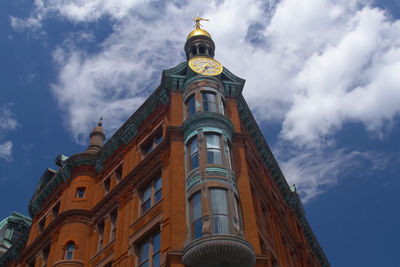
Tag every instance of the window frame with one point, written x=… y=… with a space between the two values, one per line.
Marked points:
x=215 y=215
x=198 y=97
x=154 y=140
x=69 y=255
x=100 y=230
x=80 y=190
x=113 y=226
x=194 y=220
x=152 y=199
x=151 y=254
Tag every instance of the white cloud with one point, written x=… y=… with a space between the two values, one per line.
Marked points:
x=313 y=171
x=6 y=150
x=7 y=123
x=311 y=66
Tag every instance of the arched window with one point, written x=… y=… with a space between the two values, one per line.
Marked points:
x=194 y=50
x=69 y=250
x=202 y=50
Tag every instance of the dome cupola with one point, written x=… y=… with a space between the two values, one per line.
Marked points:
x=199 y=42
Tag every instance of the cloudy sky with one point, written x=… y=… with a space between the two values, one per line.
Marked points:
x=322 y=78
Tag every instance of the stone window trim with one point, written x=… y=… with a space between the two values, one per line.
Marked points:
x=197 y=96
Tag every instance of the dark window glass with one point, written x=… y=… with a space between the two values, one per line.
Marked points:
x=194 y=50
x=146 y=199
x=42 y=224
x=194 y=154
x=196 y=213
x=32 y=263
x=213 y=149
x=209 y=102
x=56 y=209
x=107 y=185
x=219 y=209
x=69 y=252
x=113 y=217
x=153 y=143
x=118 y=174
x=80 y=192
x=151 y=194
x=158 y=184
x=190 y=104
x=158 y=138
x=45 y=252
x=202 y=50
x=100 y=228
x=150 y=250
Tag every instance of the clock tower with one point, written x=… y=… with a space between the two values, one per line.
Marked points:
x=214 y=220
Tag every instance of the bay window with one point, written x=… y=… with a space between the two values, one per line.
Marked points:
x=209 y=102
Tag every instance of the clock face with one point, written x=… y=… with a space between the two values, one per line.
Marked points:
x=205 y=66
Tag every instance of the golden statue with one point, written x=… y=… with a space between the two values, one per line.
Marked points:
x=197 y=20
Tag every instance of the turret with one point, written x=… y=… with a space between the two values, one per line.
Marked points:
x=97 y=138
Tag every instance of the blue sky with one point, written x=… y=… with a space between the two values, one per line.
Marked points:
x=322 y=78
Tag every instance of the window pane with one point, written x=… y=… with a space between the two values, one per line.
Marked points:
x=156 y=260
x=158 y=195
x=157 y=242
x=196 y=204
x=218 y=201
x=221 y=224
x=146 y=193
x=193 y=146
x=198 y=228
x=146 y=205
x=194 y=161
x=158 y=139
x=214 y=156
x=209 y=97
x=144 y=252
x=213 y=141
x=191 y=105
x=158 y=184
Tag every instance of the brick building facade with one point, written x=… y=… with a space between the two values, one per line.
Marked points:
x=188 y=180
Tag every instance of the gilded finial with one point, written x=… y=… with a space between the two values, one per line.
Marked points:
x=197 y=20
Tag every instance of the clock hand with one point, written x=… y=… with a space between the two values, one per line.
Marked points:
x=200 y=70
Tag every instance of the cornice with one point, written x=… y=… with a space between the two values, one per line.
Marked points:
x=207 y=119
